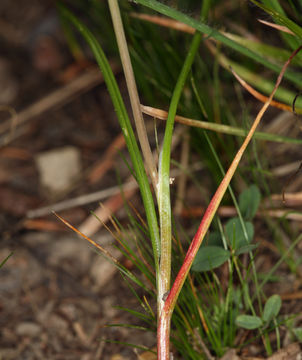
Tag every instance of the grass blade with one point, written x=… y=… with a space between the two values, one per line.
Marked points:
x=126 y=128
x=217 y=35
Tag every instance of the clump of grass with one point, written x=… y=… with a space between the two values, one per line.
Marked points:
x=206 y=315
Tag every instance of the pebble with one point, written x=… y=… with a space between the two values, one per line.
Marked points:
x=58 y=168
x=28 y=329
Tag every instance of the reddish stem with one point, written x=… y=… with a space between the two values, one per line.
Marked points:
x=163 y=329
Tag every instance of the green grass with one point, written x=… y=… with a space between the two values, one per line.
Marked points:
x=190 y=76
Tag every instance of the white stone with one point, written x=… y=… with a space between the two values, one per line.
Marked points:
x=28 y=329
x=59 y=167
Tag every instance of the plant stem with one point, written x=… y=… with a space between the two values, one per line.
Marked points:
x=132 y=90
x=220 y=128
x=163 y=194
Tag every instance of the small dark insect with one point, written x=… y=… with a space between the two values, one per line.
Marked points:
x=300 y=167
x=294 y=102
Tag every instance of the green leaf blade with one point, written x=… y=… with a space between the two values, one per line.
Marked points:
x=249 y=322
x=272 y=308
x=235 y=233
x=249 y=201
x=209 y=258
x=215 y=34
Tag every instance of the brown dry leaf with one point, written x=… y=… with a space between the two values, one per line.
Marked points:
x=276 y=26
x=260 y=96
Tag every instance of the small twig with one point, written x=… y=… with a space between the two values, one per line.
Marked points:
x=102 y=214
x=264 y=98
x=94 y=197
x=92 y=242
x=92 y=225
x=54 y=100
x=224 y=129
x=132 y=90
x=164 y=21
x=203 y=345
x=100 y=349
x=292 y=199
x=285 y=169
x=13 y=122
x=230 y=211
x=81 y=200
x=289 y=181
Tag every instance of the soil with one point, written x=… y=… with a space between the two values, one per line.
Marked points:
x=56 y=294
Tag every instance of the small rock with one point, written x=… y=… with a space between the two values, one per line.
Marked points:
x=28 y=329
x=58 y=168
x=56 y=323
x=230 y=355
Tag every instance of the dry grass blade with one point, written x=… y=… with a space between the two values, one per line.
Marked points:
x=292 y=199
x=289 y=181
x=219 y=128
x=276 y=26
x=13 y=122
x=230 y=211
x=99 y=247
x=261 y=97
x=132 y=90
x=170 y=23
x=102 y=214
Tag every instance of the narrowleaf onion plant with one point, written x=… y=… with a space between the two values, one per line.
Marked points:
x=153 y=179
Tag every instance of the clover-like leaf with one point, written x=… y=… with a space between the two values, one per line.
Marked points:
x=272 y=308
x=298 y=333
x=249 y=201
x=245 y=249
x=210 y=257
x=235 y=233
x=249 y=322
x=214 y=239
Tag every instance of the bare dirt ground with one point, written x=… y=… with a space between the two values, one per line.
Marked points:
x=56 y=293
